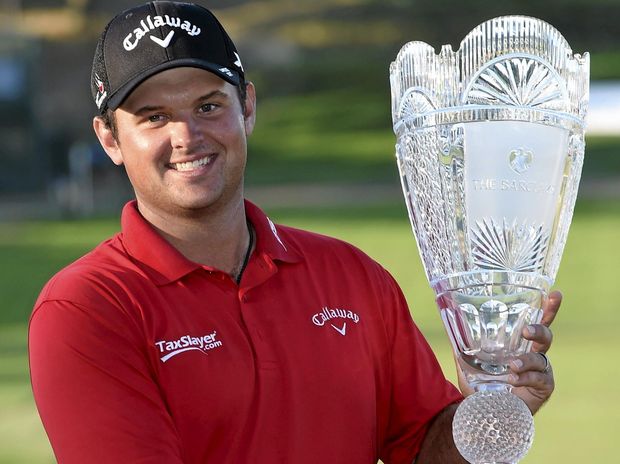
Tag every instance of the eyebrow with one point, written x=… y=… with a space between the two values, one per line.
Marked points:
x=215 y=93
x=150 y=108
x=147 y=109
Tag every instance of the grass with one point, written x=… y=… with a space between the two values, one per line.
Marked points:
x=314 y=138
x=584 y=353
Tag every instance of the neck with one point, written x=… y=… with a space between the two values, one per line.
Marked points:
x=217 y=239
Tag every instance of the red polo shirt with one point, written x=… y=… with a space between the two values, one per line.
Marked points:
x=138 y=355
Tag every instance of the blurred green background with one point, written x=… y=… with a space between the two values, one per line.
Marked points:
x=321 y=158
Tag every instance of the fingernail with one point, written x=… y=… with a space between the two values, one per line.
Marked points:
x=512 y=378
x=530 y=330
x=517 y=363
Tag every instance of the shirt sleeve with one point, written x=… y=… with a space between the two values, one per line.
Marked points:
x=419 y=388
x=94 y=388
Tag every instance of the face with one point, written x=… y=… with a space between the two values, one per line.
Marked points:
x=182 y=136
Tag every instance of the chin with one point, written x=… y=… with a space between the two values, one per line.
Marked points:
x=198 y=206
x=192 y=203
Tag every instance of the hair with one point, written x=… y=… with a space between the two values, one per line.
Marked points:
x=109 y=119
x=242 y=92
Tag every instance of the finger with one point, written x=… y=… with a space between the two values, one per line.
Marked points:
x=544 y=383
x=532 y=370
x=541 y=335
x=552 y=307
x=536 y=362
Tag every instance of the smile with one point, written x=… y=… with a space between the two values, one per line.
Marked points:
x=191 y=165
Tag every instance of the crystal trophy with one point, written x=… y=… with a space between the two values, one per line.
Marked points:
x=490 y=145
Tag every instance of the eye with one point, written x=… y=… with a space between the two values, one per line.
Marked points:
x=207 y=107
x=156 y=118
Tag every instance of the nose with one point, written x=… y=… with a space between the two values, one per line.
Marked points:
x=184 y=133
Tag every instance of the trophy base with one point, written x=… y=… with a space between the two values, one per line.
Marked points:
x=493 y=426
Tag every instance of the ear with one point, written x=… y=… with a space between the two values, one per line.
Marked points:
x=107 y=140
x=249 y=112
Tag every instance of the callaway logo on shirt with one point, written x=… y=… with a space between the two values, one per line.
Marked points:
x=327 y=314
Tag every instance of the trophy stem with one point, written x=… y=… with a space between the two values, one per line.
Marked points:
x=493 y=387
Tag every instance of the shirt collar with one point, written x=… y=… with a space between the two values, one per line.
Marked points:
x=164 y=264
x=154 y=254
x=268 y=240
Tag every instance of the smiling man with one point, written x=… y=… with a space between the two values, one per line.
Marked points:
x=203 y=332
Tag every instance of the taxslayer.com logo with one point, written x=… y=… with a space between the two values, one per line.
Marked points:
x=150 y=23
x=204 y=344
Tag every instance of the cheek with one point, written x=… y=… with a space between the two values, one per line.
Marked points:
x=235 y=131
x=228 y=133
x=139 y=149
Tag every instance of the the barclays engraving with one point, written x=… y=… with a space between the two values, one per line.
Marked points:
x=512 y=185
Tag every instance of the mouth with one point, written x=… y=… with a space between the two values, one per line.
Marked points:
x=192 y=165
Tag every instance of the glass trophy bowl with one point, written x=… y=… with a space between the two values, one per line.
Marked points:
x=490 y=145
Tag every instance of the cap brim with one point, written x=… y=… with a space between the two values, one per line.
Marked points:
x=121 y=94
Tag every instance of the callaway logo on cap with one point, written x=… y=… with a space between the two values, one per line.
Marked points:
x=150 y=38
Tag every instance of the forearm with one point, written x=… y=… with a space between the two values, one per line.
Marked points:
x=438 y=445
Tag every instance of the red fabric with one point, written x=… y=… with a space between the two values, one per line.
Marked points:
x=138 y=355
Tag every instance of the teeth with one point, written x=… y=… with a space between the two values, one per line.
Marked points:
x=192 y=164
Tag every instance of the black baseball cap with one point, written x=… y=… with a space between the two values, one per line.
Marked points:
x=150 y=38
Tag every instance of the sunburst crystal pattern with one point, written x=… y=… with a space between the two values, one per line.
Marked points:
x=517 y=81
x=508 y=246
x=415 y=102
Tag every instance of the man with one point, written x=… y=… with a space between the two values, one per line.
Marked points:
x=205 y=333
